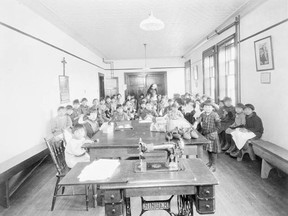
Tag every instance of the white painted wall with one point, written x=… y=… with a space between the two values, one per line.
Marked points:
x=175 y=77
x=270 y=100
x=29 y=71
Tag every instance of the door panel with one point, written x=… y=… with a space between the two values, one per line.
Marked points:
x=139 y=83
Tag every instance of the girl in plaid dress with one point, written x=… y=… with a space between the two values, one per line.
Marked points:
x=210 y=122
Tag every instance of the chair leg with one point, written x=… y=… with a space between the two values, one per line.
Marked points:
x=55 y=193
x=86 y=196
x=63 y=190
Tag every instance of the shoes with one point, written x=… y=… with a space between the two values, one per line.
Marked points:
x=187 y=135
x=235 y=153
x=231 y=149
x=226 y=147
x=194 y=134
x=209 y=164
x=213 y=168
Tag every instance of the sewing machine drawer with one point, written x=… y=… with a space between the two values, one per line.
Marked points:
x=206 y=191
x=114 y=209
x=112 y=196
x=205 y=205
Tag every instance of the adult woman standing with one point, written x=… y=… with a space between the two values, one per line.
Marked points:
x=152 y=91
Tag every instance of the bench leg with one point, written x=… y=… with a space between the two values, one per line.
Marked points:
x=265 y=169
x=4 y=197
x=247 y=149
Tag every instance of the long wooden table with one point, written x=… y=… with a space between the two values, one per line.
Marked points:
x=195 y=184
x=124 y=143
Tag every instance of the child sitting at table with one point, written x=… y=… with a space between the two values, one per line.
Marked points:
x=60 y=122
x=95 y=104
x=189 y=111
x=151 y=109
x=120 y=115
x=69 y=112
x=90 y=123
x=210 y=121
x=84 y=107
x=144 y=113
x=103 y=110
x=239 y=122
x=253 y=129
x=169 y=107
x=174 y=113
x=74 y=153
x=76 y=112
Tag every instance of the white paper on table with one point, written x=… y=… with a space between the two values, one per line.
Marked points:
x=99 y=170
x=106 y=128
x=240 y=138
x=147 y=120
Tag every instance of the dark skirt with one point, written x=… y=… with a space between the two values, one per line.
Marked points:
x=214 y=144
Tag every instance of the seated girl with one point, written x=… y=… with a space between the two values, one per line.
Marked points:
x=174 y=113
x=239 y=122
x=189 y=111
x=146 y=111
x=103 y=110
x=74 y=153
x=253 y=129
x=120 y=115
x=90 y=123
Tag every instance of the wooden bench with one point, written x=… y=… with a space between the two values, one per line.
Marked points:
x=273 y=156
x=16 y=170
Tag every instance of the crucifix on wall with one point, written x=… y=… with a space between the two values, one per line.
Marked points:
x=64 y=85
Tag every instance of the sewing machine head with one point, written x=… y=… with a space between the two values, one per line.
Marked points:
x=174 y=152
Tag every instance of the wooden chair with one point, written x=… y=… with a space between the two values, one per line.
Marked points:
x=57 y=152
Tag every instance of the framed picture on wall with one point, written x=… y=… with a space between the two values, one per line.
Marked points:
x=265 y=78
x=64 y=89
x=264 y=54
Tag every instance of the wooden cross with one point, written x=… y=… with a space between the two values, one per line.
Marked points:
x=63 y=62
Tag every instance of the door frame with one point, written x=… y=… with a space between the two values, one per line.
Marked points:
x=127 y=74
x=101 y=75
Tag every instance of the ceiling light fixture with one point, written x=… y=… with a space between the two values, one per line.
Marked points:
x=152 y=23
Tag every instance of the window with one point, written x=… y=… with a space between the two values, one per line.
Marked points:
x=188 y=86
x=220 y=71
x=209 y=73
x=227 y=70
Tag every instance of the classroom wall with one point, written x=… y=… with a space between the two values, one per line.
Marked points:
x=29 y=70
x=175 y=77
x=269 y=99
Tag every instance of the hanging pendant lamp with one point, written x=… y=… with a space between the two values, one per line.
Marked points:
x=152 y=23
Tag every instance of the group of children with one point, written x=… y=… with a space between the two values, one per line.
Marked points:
x=219 y=123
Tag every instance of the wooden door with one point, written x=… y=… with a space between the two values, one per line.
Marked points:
x=138 y=83
x=101 y=86
x=159 y=80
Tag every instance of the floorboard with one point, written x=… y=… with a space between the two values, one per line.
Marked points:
x=241 y=193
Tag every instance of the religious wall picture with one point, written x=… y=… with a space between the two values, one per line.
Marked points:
x=264 y=54
x=64 y=89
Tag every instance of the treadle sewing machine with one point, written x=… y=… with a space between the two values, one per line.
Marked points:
x=189 y=180
x=172 y=163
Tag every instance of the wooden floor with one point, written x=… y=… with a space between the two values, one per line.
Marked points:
x=241 y=193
